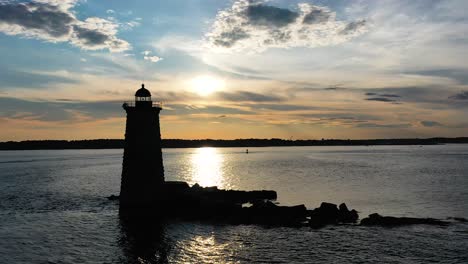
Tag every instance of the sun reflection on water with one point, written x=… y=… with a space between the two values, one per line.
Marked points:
x=207 y=248
x=207 y=167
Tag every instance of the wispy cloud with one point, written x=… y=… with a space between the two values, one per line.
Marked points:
x=26 y=79
x=153 y=58
x=380 y=99
x=244 y=96
x=460 y=96
x=428 y=123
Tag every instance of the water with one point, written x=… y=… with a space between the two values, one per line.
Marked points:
x=53 y=206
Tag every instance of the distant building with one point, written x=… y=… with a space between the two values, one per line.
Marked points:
x=142 y=168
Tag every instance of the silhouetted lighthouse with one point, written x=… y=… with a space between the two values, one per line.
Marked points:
x=142 y=170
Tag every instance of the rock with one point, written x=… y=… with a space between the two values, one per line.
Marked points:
x=329 y=211
x=330 y=214
x=326 y=214
x=316 y=221
x=353 y=216
x=231 y=196
x=390 y=221
x=346 y=216
x=175 y=186
x=343 y=208
x=113 y=197
x=268 y=213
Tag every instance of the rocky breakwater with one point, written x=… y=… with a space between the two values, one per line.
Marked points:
x=178 y=200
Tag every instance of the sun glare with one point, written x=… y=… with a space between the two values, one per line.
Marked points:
x=207 y=164
x=205 y=85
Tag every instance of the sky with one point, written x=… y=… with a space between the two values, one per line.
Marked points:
x=348 y=69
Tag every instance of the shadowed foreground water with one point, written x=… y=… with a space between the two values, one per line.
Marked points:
x=53 y=207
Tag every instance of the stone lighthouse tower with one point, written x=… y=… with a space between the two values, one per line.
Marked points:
x=142 y=169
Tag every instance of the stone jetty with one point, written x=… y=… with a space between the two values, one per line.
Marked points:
x=210 y=204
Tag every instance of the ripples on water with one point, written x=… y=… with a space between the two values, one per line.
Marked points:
x=53 y=207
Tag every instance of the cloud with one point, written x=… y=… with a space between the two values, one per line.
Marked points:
x=460 y=96
x=63 y=110
x=317 y=16
x=153 y=58
x=281 y=107
x=53 y=21
x=130 y=24
x=428 y=97
x=427 y=123
x=390 y=95
x=244 y=96
x=383 y=95
x=376 y=125
x=90 y=37
x=184 y=109
x=353 y=27
x=264 y=15
x=24 y=79
x=380 y=99
x=256 y=26
x=459 y=75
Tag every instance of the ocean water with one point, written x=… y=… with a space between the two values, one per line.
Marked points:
x=53 y=206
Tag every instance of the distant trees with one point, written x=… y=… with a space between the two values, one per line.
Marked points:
x=251 y=142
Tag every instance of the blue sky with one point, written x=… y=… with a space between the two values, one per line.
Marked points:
x=235 y=69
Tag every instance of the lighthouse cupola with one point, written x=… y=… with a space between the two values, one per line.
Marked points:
x=143 y=97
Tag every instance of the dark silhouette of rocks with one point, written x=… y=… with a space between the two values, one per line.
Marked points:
x=330 y=214
x=113 y=197
x=180 y=201
x=268 y=213
x=347 y=216
x=390 y=221
x=177 y=200
x=213 y=205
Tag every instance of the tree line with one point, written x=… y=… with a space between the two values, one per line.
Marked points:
x=252 y=142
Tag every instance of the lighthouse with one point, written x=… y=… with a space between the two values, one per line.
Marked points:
x=142 y=168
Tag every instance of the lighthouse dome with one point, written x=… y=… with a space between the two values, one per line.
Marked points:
x=142 y=92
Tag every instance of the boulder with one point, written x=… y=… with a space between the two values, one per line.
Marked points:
x=330 y=214
x=328 y=211
x=390 y=221
x=266 y=212
x=343 y=208
x=326 y=214
x=113 y=197
x=347 y=216
x=230 y=196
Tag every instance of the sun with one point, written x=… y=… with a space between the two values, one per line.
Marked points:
x=205 y=85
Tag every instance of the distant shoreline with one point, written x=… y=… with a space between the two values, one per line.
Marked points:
x=186 y=143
